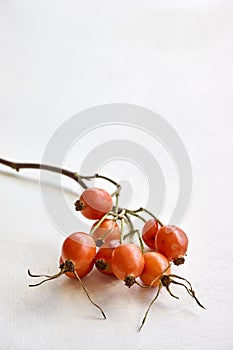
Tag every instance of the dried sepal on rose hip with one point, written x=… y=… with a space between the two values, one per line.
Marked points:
x=94 y=203
x=155 y=265
x=77 y=260
x=103 y=258
x=172 y=242
x=127 y=263
x=105 y=231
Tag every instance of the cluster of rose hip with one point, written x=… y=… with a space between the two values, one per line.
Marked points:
x=118 y=253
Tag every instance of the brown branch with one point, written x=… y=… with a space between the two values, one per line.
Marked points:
x=17 y=166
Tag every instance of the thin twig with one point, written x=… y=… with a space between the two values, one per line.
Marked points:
x=17 y=166
x=140 y=242
x=190 y=292
x=148 y=212
x=101 y=220
x=150 y=305
x=132 y=212
x=32 y=275
x=122 y=231
x=87 y=294
x=181 y=278
x=47 y=279
x=98 y=176
x=72 y=175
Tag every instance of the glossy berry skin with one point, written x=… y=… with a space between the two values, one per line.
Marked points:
x=79 y=248
x=172 y=242
x=108 y=230
x=103 y=260
x=94 y=203
x=155 y=264
x=127 y=262
x=149 y=232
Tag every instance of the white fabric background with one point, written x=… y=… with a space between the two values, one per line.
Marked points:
x=60 y=57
